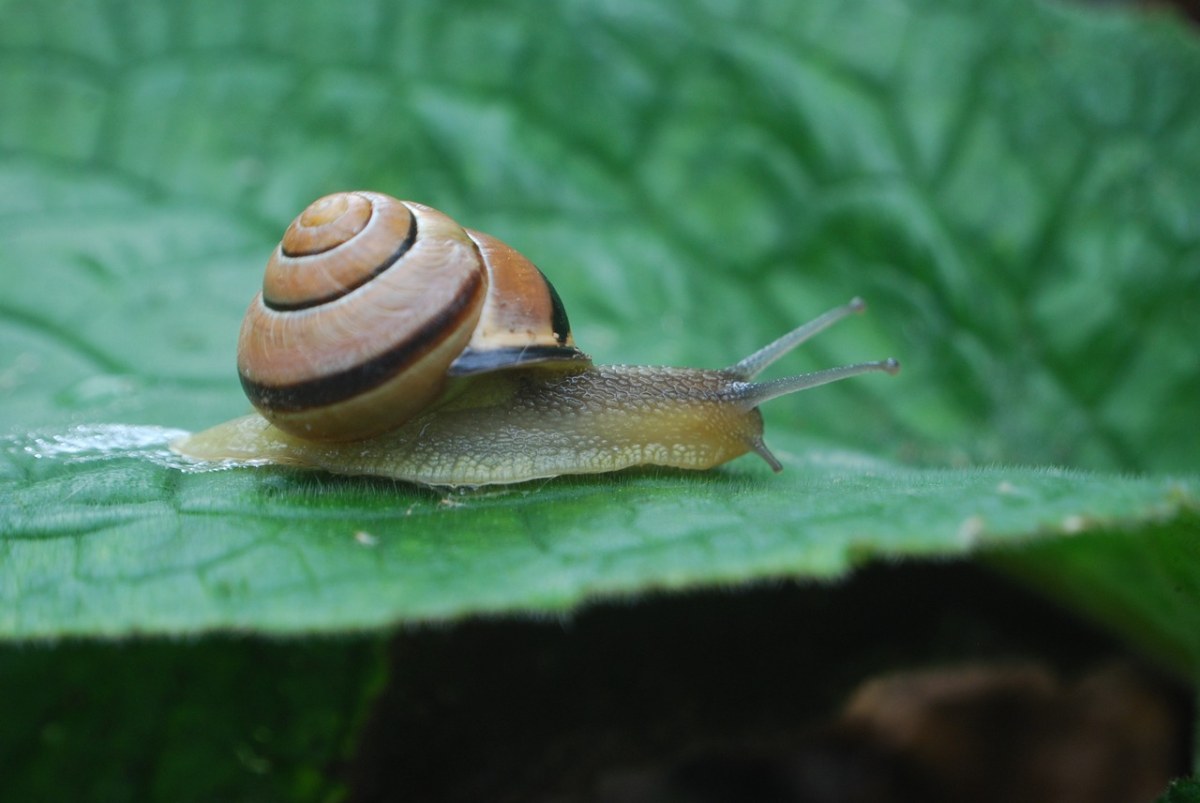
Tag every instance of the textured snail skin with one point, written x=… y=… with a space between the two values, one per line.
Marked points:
x=516 y=426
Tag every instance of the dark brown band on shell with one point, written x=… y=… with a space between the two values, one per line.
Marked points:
x=367 y=276
x=562 y=326
x=358 y=379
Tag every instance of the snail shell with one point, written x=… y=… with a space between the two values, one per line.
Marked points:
x=369 y=305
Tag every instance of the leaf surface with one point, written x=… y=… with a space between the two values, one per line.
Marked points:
x=1018 y=206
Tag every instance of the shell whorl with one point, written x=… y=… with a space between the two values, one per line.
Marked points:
x=369 y=303
x=311 y=267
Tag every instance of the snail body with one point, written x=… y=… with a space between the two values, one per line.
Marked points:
x=441 y=356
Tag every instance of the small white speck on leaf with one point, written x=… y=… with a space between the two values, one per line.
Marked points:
x=1074 y=524
x=365 y=538
x=970 y=529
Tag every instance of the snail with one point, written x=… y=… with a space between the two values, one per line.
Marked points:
x=389 y=340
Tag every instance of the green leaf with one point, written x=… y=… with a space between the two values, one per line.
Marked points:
x=158 y=721
x=1017 y=205
x=1184 y=790
x=121 y=542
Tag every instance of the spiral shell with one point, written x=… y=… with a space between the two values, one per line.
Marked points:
x=369 y=304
